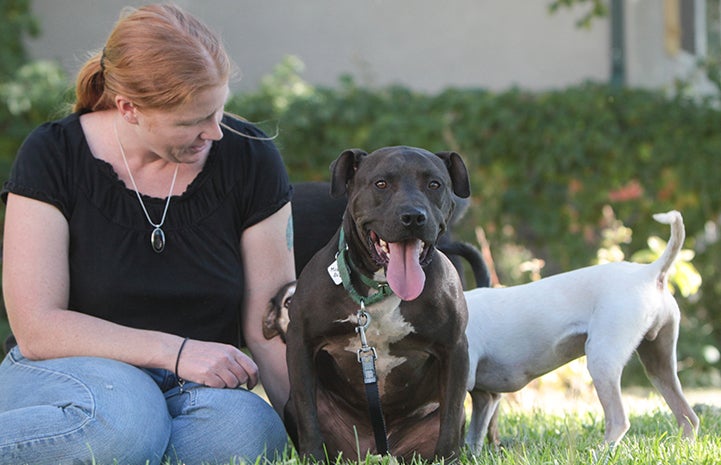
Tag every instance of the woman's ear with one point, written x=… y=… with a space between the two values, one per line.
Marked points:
x=126 y=109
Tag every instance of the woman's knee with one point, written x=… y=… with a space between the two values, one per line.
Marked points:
x=86 y=407
x=223 y=424
x=132 y=416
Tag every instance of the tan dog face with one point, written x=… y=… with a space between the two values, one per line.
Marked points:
x=275 y=321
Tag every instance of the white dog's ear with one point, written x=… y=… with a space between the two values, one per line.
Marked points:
x=459 y=174
x=270 y=321
x=343 y=169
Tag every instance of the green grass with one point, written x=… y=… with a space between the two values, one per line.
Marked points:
x=557 y=420
x=560 y=430
x=541 y=438
x=537 y=437
x=547 y=425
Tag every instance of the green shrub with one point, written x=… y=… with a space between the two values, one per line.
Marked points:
x=16 y=24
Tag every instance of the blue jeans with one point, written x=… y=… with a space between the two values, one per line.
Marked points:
x=86 y=410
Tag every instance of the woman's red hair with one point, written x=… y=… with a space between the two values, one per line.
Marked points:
x=158 y=56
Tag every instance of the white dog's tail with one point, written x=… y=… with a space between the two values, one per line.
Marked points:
x=675 y=242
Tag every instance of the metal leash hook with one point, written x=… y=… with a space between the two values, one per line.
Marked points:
x=367 y=357
x=366 y=354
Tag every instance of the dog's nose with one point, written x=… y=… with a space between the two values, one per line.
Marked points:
x=414 y=218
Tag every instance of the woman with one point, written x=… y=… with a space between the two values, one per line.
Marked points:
x=144 y=236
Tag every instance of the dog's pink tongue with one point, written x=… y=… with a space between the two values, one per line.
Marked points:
x=405 y=275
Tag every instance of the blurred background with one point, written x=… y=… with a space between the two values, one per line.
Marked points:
x=577 y=119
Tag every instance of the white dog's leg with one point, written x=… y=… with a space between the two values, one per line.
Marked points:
x=605 y=364
x=617 y=423
x=659 y=360
x=484 y=406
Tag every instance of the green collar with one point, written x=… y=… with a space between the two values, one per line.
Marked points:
x=345 y=266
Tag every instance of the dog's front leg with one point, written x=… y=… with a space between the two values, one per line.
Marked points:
x=485 y=407
x=453 y=394
x=304 y=424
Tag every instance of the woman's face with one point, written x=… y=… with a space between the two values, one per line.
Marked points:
x=185 y=134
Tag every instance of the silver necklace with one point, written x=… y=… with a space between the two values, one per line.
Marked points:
x=157 y=237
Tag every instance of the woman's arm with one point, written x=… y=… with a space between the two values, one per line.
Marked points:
x=268 y=260
x=36 y=288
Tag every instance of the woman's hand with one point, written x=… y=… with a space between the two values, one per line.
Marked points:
x=216 y=365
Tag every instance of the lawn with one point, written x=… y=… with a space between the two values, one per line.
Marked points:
x=550 y=424
x=540 y=427
x=557 y=420
x=547 y=425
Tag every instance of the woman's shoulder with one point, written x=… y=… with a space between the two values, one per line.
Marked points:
x=59 y=132
x=55 y=146
x=68 y=123
x=44 y=163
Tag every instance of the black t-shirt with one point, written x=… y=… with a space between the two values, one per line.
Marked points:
x=193 y=288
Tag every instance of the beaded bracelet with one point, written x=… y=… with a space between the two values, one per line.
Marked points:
x=181 y=381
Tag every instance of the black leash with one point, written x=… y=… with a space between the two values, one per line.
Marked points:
x=366 y=354
x=367 y=358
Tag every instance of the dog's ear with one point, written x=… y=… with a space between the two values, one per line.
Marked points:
x=459 y=173
x=275 y=318
x=270 y=319
x=343 y=169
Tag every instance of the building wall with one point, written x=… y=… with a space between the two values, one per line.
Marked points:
x=425 y=44
x=662 y=46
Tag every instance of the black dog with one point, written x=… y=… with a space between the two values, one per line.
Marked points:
x=379 y=283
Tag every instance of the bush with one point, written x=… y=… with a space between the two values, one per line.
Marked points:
x=16 y=24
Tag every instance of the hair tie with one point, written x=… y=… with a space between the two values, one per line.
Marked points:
x=102 y=60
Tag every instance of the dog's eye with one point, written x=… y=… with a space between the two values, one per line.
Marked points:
x=434 y=185
x=381 y=184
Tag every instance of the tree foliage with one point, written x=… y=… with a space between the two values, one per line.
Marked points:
x=16 y=24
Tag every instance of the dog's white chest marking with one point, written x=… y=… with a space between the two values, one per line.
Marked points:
x=386 y=326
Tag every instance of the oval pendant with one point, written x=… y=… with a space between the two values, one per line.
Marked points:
x=157 y=240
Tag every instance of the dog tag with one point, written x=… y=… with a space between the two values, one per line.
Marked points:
x=335 y=273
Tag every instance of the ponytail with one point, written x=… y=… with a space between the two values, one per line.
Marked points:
x=90 y=86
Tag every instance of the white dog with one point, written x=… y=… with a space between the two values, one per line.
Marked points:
x=518 y=333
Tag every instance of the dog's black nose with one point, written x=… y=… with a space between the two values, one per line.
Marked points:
x=414 y=218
